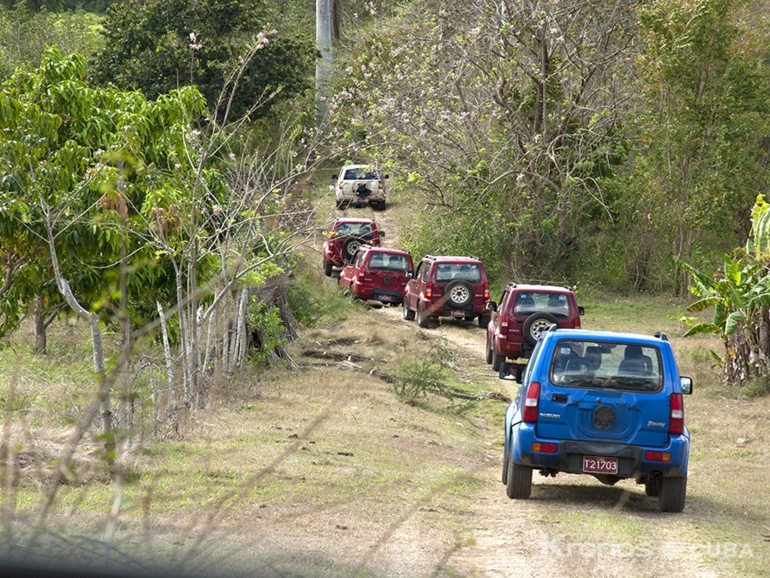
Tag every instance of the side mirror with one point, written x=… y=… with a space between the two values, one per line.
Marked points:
x=382 y=234
x=581 y=310
x=334 y=177
x=510 y=371
x=386 y=177
x=410 y=274
x=490 y=306
x=686 y=383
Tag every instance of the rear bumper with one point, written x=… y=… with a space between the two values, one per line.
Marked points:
x=512 y=349
x=631 y=458
x=361 y=291
x=441 y=309
x=357 y=199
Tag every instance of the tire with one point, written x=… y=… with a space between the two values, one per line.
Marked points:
x=327 y=269
x=459 y=293
x=349 y=249
x=506 y=460
x=672 y=494
x=519 y=481
x=489 y=351
x=497 y=360
x=406 y=312
x=652 y=488
x=422 y=319
x=484 y=321
x=378 y=206
x=535 y=325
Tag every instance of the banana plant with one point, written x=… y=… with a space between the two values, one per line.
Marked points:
x=739 y=292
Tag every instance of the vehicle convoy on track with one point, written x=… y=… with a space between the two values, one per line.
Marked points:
x=346 y=236
x=605 y=404
x=377 y=273
x=523 y=313
x=447 y=286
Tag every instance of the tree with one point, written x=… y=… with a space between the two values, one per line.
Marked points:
x=508 y=117
x=701 y=151
x=162 y=45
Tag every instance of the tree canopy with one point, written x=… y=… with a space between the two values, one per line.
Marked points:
x=161 y=45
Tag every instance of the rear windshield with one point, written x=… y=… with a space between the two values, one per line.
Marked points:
x=606 y=365
x=362 y=174
x=557 y=304
x=388 y=262
x=467 y=271
x=354 y=229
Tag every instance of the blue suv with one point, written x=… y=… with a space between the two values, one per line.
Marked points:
x=600 y=403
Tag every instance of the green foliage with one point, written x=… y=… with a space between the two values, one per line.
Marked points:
x=161 y=44
x=739 y=293
x=267 y=322
x=414 y=379
x=702 y=134
x=85 y=161
x=25 y=33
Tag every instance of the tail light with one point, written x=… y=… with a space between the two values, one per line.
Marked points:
x=676 y=417
x=504 y=325
x=429 y=291
x=486 y=292
x=531 y=403
x=577 y=323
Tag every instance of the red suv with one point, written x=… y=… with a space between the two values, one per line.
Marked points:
x=377 y=273
x=447 y=287
x=345 y=238
x=524 y=312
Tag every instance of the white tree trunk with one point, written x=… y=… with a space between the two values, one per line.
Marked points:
x=323 y=69
x=172 y=390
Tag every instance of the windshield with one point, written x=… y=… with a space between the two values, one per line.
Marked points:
x=466 y=271
x=354 y=229
x=389 y=262
x=606 y=365
x=360 y=174
x=527 y=303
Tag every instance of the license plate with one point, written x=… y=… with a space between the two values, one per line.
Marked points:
x=458 y=313
x=600 y=465
x=387 y=298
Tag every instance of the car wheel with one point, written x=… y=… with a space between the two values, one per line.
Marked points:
x=327 y=269
x=519 y=481
x=489 y=351
x=497 y=360
x=652 y=488
x=505 y=467
x=459 y=293
x=349 y=249
x=422 y=319
x=672 y=494
x=535 y=325
x=484 y=321
x=406 y=312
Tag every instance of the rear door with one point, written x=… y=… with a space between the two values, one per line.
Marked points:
x=606 y=404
